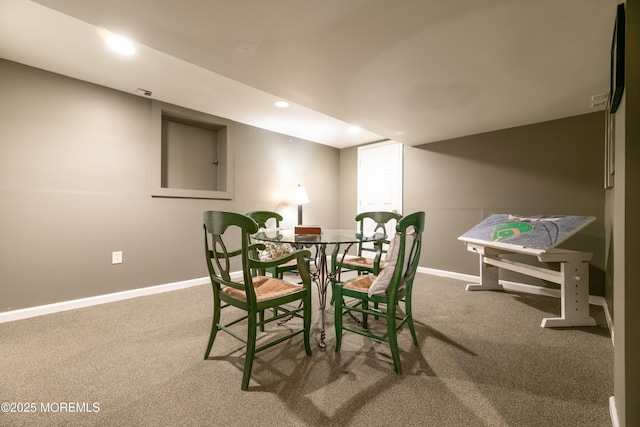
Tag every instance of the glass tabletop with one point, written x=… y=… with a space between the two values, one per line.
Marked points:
x=327 y=236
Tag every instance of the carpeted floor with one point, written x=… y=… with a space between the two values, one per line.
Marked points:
x=483 y=360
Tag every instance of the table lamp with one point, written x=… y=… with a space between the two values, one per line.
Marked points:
x=300 y=198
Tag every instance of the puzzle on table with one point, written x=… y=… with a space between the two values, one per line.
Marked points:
x=539 y=232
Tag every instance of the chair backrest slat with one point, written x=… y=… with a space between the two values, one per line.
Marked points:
x=263 y=217
x=408 y=257
x=221 y=231
x=382 y=220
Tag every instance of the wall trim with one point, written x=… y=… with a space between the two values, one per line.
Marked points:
x=614 y=412
x=42 y=310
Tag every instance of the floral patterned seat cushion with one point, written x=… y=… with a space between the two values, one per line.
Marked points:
x=274 y=250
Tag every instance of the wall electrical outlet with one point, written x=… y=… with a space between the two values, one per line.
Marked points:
x=116 y=257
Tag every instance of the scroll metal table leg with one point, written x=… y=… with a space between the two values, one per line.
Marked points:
x=321 y=279
x=336 y=277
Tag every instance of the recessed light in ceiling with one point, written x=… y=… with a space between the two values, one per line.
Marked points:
x=281 y=104
x=354 y=129
x=117 y=43
x=121 y=45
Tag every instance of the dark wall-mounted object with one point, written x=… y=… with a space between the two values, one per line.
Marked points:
x=616 y=85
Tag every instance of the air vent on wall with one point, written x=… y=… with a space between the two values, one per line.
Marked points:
x=598 y=101
x=143 y=92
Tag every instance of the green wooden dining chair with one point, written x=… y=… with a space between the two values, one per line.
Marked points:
x=265 y=219
x=228 y=245
x=368 y=258
x=389 y=289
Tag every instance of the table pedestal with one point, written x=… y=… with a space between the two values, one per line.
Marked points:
x=324 y=278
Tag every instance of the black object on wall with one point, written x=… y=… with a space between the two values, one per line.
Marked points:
x=616 y=85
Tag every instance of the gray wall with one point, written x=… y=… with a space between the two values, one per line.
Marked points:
x=554 y=167
x=75 y=184
x=75 y=178
x=623 y=205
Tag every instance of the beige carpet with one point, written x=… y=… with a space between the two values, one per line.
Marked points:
x=483 y=360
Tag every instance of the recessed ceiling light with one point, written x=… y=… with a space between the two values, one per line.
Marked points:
x=354 y=129
x=121 y=44
x=117 y=43
x=281 y=104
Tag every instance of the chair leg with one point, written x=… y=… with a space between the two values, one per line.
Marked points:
x=261 y=315
x=365 y=316
x=407 y=309
x=307 y=323
x=392 y=334
x=337 y=316
x=251 y=347
x=333 y=274
x=214 y=326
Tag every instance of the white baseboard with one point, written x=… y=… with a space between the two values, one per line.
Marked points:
x=25 y=313
x=613 y=412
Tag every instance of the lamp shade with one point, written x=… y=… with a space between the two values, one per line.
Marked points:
x=300 y=196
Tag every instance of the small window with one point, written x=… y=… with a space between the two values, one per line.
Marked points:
x=191 y=154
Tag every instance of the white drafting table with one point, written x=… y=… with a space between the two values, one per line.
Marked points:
x=503 y=234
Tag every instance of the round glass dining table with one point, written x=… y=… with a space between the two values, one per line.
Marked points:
x=322 y=275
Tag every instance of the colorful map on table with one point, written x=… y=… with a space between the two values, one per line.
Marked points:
x=537 y=232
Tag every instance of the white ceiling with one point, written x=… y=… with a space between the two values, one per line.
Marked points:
x=415 y=71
